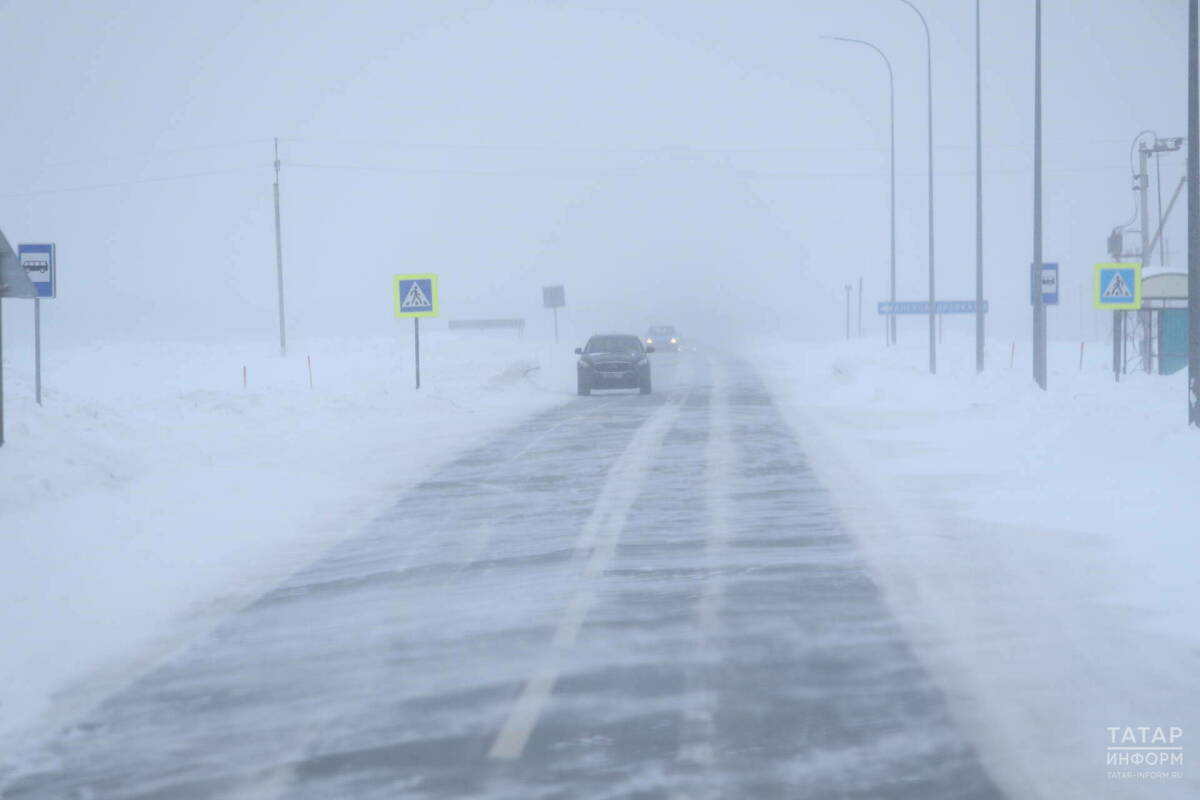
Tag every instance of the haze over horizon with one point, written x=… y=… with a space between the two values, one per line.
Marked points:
x=717 y=166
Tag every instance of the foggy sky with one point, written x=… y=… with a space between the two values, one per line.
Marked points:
x=715 y=165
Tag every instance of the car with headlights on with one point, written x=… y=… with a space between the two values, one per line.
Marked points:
x=614 y=361
x=663 y=337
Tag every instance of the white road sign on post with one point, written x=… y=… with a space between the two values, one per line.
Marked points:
x=415 y=296
x=38 y=261
x=1049 y=281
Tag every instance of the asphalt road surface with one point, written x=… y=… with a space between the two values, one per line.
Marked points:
x=626 y=596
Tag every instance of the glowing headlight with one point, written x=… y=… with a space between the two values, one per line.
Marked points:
x=674 y=341
x=649 y=340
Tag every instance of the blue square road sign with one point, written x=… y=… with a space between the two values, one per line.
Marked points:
x=38 y=261
x=415 y=295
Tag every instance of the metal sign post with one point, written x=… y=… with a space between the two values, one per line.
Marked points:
x=37 y=349
x=979 y=329
x=14 y=282
x=39 y=263
x=1039 y=307
x=554 y=297
x=1117 y=287
x=1118 y=336
x=415 y=296
x=1041 y=297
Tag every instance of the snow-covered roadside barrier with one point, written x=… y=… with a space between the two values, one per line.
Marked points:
x=152 y=494
x=1042 y=547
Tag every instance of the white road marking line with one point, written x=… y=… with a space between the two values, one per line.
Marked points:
x=572 y=619
x=280 y=782
x=475 y=546
x=720 y=457
x=600 y=535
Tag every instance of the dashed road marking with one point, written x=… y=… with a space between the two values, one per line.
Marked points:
x=598 y=538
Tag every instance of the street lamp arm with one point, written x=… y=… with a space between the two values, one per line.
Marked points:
x=929 y=123
x=891 y=169
x=928 y=40
x=1133 y=146
x=868 y=44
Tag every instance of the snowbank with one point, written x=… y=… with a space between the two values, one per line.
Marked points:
x=1042 y=546
x=152 y=493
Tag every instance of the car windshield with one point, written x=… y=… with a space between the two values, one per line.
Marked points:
x=618 y=345
x=662 y=330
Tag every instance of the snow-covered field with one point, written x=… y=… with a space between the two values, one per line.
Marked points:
x=151 y=493
x=1042 y=547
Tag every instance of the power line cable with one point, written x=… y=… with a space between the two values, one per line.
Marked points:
x=137 y=182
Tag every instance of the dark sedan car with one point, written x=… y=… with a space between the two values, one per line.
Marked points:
x=614 y=361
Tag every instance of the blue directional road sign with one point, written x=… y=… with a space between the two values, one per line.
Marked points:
x=1049 y=284
x=922 y=307
x=38 y=261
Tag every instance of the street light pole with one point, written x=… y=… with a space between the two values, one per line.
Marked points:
x=1039 y=306
x=979 y=333
x=279 y=258
x=1193 y=182
x=929 y=89
x=892 y=168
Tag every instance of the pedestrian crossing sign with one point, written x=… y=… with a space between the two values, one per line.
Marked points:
x=1118 y=286
x=415 y=295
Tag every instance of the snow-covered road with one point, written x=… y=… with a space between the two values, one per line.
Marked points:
x=620 y=596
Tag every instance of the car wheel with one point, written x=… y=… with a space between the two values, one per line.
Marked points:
x=644 y=385
x=585 y=387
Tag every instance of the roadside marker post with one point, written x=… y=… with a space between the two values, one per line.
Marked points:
x=415 y=296
x=848 y=287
